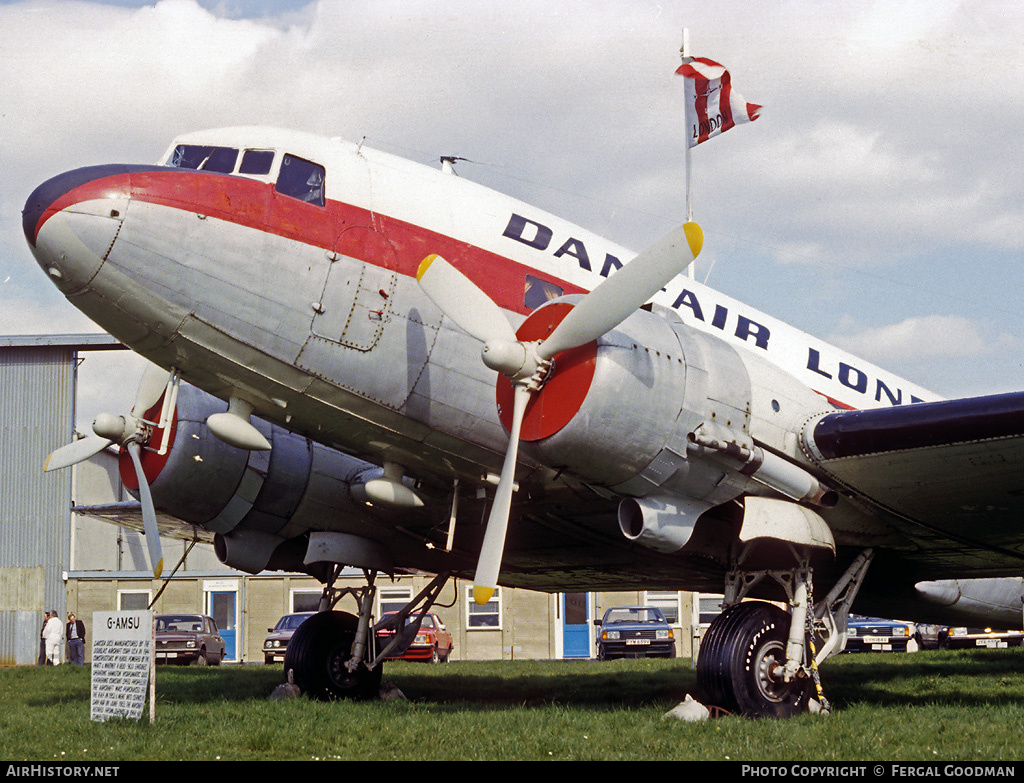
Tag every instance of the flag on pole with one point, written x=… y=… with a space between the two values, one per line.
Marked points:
x=712 y=105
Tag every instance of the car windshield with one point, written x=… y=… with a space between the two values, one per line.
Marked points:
x=428 y=620
x=291 y=621
x=634 y=614
x=179 y=622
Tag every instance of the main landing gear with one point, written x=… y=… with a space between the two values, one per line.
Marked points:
x=334 y=655
x=761 y=660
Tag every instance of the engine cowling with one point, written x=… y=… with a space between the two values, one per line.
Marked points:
x=255 y=502
x=655 y=382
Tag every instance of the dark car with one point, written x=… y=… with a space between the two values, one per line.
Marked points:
x=634 y=632
x=188 y=638
x=957 y=638
x=867 y=634
x=276 y=643
x=432 y=642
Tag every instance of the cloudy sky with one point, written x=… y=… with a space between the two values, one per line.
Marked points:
x=877 y=203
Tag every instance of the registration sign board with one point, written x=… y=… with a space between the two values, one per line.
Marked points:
x=122 y=658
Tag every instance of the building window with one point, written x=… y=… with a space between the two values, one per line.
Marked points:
x=710 y=607
x=132 y=600
x=486 y=616
x=392 y=599
x=667 y=601
x=305 y=600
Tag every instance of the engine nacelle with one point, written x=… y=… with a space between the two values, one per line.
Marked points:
x=657 y=381
x=256 y=501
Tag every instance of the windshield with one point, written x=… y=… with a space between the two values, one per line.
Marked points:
x=172 y=622
x=635 y=614
x=291 y=621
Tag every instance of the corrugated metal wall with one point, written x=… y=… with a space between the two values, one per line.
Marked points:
x=36 y=416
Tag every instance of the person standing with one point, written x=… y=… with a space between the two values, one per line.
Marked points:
x=42 y=639
x=53 y=632
x=75 y=634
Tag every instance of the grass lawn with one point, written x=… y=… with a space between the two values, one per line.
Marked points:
x=926 y=706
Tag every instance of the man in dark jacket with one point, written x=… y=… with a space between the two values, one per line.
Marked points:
x=75 y=634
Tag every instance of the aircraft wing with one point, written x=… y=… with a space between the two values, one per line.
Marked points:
x=949 y=475
x=128 y=514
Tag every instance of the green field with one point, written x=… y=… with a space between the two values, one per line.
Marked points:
x=926 y=706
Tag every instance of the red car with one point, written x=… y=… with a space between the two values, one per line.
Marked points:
x=433 y=641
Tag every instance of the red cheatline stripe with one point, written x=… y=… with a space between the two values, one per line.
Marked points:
x=256 y=205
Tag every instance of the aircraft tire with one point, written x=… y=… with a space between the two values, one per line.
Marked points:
x=317 y=654
x=739 y=651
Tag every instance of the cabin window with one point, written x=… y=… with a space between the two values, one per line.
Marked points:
x=301 y=179
x=539 y=291
x=197 y=156
x=256 y=162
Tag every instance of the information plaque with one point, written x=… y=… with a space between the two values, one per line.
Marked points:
x=122 y=657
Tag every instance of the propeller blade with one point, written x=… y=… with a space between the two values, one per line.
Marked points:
x=489 y=564
x=461 y=300
x=74 y=452
x=152 y=385
x=620 y=295
x=156 y=558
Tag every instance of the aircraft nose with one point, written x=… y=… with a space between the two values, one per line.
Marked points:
x=71 y=221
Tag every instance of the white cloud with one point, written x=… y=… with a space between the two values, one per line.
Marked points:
x=887 y=138
x=927 y=337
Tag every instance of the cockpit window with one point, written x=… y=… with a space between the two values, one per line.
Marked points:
x=256 y=162
x=301 y=179
x=195 y=156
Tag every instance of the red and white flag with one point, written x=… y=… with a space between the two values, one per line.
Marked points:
x=712 y=105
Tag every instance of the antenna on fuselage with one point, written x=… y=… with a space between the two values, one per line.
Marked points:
x=448 y=163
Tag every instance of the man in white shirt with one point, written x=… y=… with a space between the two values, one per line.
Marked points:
x=53 y=633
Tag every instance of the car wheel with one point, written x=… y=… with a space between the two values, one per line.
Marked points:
x=317 y=654
x=268 y=659
x=201 y=658
x=739 y=661
x=435 y=656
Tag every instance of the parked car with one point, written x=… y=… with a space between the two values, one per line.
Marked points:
x=276 y=643
x=960 y=638
x=634 y=632
x=188 y=638
x=866 y=634
x=433 y=642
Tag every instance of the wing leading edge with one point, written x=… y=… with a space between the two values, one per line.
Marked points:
x=949 y=474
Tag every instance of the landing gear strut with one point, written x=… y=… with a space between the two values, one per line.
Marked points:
x=333 y=655
x=761 y=660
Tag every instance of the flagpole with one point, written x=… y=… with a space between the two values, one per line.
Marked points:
x=685 y=53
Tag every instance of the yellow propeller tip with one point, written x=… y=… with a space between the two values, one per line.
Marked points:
x=425 y=265
x=159 y=569
x=694 y=236
x=482 y=594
